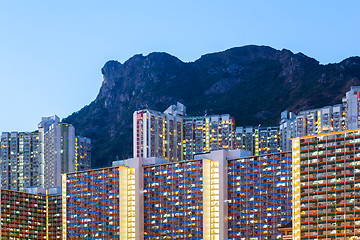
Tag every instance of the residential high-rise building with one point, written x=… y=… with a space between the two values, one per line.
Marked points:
x=158 y=134
x=258 y=140
x=259 y=196
x=203 y=134
x=20 y=160
x=172 y=136
x=287 y=130
x=26 y=216
x=101 y=198
x=109 y=201
x=328 y=119
x=326 y=196
x=219 y=195
x=82 y=153
x=352 y=108
x=38 y=158
x=54 y=216
x=269 y=140
x=58 y=154
x=181 y=200
x=245 y=139
x=322 y=120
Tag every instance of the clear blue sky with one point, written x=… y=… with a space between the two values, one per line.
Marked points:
x=51 y=52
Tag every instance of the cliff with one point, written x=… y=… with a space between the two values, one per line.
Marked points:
x=252 y=83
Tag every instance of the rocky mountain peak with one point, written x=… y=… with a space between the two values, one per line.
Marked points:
x=251 y=83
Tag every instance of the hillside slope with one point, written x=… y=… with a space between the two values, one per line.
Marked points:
x=252 y=83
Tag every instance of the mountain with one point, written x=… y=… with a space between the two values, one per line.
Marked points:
x=252 y=83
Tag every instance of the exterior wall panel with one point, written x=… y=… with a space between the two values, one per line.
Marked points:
x=259 y=196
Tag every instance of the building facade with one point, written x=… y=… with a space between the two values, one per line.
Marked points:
x=26 y=216
x=287 y=130
x=351 y=105
x=219 y=195
x=203 y=134
x=181 y=200
x=157 y=134
x=59 y=150
x=245 y=139
x=54 y=216
x=259 y=196
x=37 y=159
x=322 y=120
x=326 y=196
x=82 y=153
x=99 y=204
x=258 y=140
x=20 y=161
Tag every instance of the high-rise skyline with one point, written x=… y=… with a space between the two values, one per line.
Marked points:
x=38 y=158
x=344 y=116
x=77 y=33
x=175 y=136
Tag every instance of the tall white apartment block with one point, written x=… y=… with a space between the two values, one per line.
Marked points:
x=20 y=162
x=157 y=134
x=351 y=104
x=203 y=134
x=58 y=150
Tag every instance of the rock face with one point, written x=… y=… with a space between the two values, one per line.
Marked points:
x=252 y=83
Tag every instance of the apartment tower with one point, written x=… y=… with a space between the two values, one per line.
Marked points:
x=57 y=150
x=82 y=153
x=259 y=196
x=326 y=196
x=351 y=104
x=203 y=134
x=158 y=134
x=322 y=120
x=287 y=130
x=20 y=160
x=258 y=140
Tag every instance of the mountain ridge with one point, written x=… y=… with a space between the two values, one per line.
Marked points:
x=251 y=83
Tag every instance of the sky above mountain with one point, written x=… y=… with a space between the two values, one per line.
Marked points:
x=51 y=52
